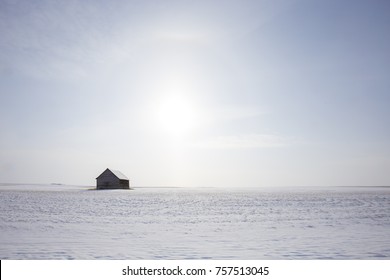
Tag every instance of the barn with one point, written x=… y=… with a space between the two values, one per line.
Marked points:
x=112 y=179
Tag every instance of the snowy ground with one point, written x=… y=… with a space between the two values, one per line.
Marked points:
x=72 y=222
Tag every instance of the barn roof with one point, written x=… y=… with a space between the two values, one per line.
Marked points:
x=117 y=173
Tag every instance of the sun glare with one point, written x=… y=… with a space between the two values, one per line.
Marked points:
x=176 y=115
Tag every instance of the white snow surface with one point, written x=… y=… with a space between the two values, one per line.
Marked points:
x=73 y=222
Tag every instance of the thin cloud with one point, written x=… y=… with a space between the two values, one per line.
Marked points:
x=68 y=40
x=244 y=141
x=64 y=40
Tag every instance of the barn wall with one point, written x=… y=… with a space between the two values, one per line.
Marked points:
x=125 y=184
x=107 y=182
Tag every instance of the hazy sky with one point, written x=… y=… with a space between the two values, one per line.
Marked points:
x=196 y=93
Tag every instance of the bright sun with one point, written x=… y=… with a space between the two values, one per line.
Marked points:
x=176 y=115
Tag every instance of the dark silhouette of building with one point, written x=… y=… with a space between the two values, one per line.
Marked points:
x=112 y=179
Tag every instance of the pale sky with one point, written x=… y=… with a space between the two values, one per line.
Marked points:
x=196 y=93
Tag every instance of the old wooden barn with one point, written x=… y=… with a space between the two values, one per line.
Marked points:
x=112 y=179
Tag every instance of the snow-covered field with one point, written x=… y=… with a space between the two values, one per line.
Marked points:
x=70 y=222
